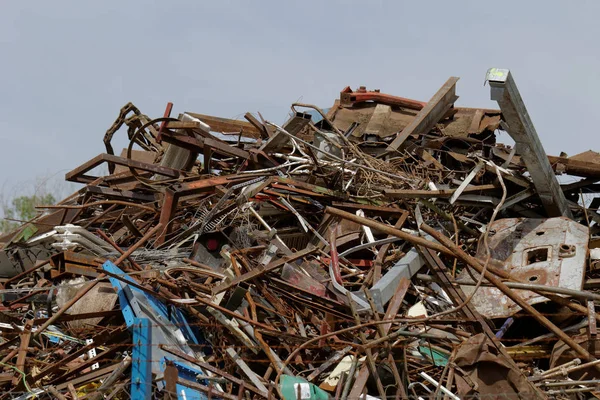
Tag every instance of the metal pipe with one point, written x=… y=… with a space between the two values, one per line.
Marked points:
x=439 y=386
x=264 y=223
x=574 y=369
x=111 y=379
x=415 y=240
x=527 y=286
x=574 y=390
x=56 y=393
x=369 y=245
x=570 y=383
x=562 y=367
x=399 y=332
x=575 y=327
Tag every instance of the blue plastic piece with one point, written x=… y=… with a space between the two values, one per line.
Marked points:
x=141 y=360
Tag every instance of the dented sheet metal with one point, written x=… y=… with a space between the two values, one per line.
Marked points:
x=549 y=252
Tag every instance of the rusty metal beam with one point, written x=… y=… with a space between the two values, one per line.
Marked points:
x=22 y=354
x=349 y=97
x=440 y=194
x=255 y=273
x=78 y=174
x=119 y=194
x=167 y=211
x=198 y=144
x=264 y=132
x=416 y=240
x=429 y=115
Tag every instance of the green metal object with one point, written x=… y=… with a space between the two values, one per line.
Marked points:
x=26 y=233
x=439 y=359
x=291 y=386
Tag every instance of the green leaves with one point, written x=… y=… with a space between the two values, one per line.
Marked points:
x=23 y=209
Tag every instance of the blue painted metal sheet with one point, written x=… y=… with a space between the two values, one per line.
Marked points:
x=141 y=360
x=167 y=327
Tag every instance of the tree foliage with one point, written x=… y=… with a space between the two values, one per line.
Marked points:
x=23 y=209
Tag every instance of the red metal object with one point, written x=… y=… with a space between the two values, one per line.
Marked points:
x=323 y=330
x=167 y=114
x=168 y=209
x=212 y=244
x=334 y=255
x=348 y=97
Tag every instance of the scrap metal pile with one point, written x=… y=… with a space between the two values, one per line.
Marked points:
x=383 y=247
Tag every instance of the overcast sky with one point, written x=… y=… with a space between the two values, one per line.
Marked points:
x=69 y=66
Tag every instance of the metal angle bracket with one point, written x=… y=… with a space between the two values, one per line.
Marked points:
x=520 y=127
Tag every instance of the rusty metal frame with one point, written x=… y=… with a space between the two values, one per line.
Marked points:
x=78 y=174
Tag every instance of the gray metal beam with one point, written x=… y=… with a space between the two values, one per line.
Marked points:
x=521 y=129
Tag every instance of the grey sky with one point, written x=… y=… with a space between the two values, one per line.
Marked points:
x=68 y=66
